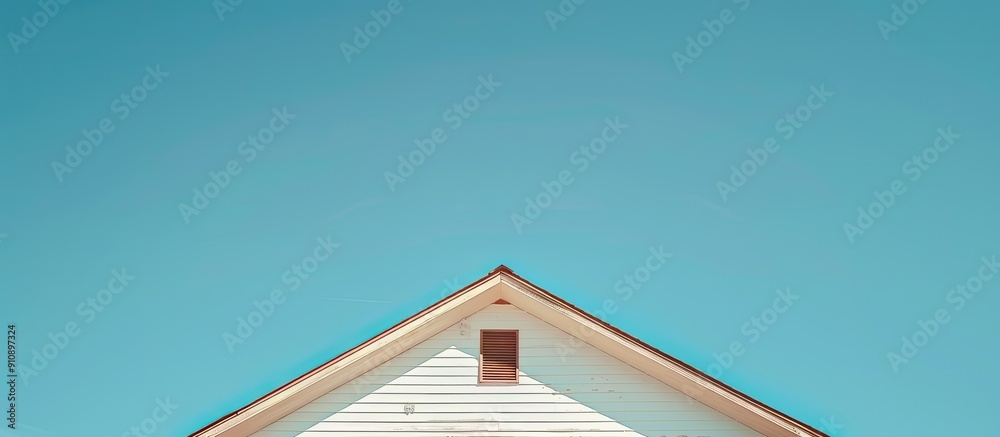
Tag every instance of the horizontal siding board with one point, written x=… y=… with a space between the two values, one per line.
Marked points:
x=436 y=344
x=481 y=425
x=533 y=371
x=485 y=424
x=651 y=433
x=523 y=387
x=619 y=406
x=535 y=347
x=536 y=362
x=454 y=357
x=454 y=433
x=535 y=413
x=554 y=379
x=500 y=396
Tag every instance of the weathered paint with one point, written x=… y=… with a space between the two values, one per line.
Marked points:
x=567 y=388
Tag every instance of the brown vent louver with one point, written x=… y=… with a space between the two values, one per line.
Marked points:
x=498 y=356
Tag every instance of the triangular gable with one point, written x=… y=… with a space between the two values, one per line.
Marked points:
x=566 y=387
x=504 y=285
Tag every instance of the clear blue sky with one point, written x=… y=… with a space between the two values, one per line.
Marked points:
x=64 y=230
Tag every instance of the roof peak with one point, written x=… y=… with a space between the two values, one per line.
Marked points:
x=502 y=268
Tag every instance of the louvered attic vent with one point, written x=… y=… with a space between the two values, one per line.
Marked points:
x=498 y=356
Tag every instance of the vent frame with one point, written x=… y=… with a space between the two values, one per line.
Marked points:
x=505 y=379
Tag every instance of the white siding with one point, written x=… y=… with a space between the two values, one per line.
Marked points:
x=564 y=391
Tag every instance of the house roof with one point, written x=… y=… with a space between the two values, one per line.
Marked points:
x=503 y=284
